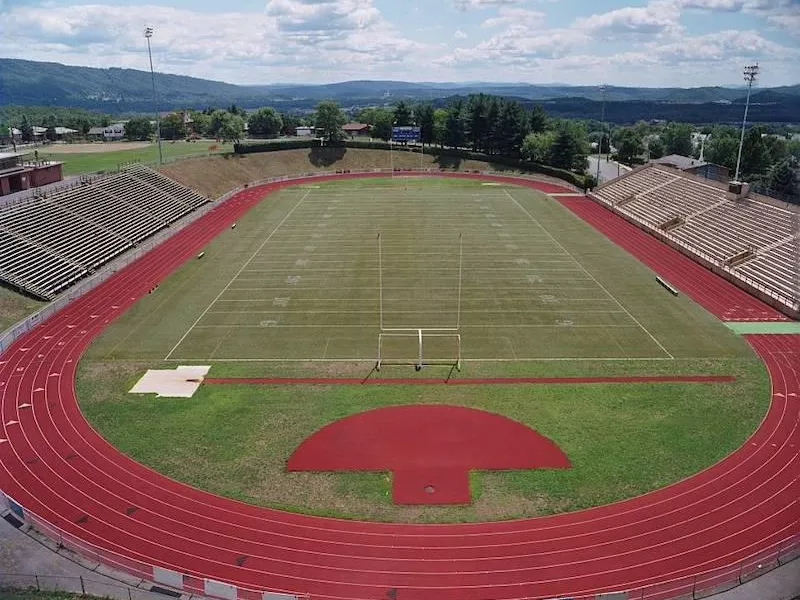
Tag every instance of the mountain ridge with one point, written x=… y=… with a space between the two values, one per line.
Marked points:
x=122 y=90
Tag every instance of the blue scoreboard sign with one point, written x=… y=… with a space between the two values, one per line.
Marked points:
x=406 y=134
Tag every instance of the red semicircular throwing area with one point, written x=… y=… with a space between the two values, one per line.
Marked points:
x=430 y=449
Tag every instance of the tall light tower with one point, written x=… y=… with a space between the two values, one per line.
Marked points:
x=602 y=132
x=148 y=33
x=750 y=76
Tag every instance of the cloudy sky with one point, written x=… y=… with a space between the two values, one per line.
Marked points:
x=622 y=42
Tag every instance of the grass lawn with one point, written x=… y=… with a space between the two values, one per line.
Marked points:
x=89 y=162
x=15 y=306
x=299 y=288
x=33 y=594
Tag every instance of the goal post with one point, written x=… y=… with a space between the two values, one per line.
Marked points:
x=412 y=347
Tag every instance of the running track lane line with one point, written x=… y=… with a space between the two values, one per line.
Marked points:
x=702 y=522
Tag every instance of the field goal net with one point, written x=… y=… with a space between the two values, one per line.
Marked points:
x=419 y=346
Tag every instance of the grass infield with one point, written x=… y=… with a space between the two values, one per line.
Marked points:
x=295 y=290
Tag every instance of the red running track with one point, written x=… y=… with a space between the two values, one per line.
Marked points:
x=54 y=464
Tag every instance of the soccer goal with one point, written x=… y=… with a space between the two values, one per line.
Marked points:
x=419 y=346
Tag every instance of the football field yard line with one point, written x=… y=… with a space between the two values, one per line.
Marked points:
x=602 y=287
x=243 y=267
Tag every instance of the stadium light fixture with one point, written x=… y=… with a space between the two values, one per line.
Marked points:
x=148 y=33
x=750 y=76
x=602 y=133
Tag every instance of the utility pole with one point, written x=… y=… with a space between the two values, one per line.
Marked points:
x=148 y=33
x=602 y=132
x=750 y=76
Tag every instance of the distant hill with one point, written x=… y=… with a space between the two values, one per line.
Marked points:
x=118 y=91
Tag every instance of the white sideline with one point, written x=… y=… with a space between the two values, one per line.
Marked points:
x=600 y=285
x=244 y=266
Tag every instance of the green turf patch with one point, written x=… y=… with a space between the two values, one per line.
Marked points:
x=761 y=327
x=297 y=290
x=15 y=307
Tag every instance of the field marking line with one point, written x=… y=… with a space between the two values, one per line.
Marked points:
x=371 y=326
x=465 y=360
x=602 y=287
x=409 y=311
x=243 y=267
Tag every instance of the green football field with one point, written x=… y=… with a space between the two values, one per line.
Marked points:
x=309 y=279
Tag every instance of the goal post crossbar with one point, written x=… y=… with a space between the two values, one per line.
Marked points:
x=420 y=334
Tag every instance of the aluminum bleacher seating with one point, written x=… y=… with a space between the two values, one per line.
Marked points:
x=749 y=238
x=48 y=242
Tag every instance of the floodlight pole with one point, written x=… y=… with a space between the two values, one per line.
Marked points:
x=148 y=33
x=750 y=76
x=602 y=132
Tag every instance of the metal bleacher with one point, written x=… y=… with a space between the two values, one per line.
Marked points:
x=52 y=240
x=755 y=240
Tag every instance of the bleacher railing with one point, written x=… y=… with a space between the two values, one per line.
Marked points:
x=698 y=585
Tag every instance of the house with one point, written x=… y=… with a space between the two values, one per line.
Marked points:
x=64 y=132
x=356 y=129
x=114 y=132
x=38 y=132
x=304 y=131
x=95 y=133
x=695 y=167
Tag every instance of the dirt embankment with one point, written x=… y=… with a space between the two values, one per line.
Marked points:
x=215 y=175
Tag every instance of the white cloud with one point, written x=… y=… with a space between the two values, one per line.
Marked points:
x=465 y=5
x=460 y=35
x=657 y=18
x=519 y=17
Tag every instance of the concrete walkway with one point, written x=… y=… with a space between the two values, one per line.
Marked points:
x=24 y=553
x=29 y=193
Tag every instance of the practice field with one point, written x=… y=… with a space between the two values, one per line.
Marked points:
x=302 y=286
x=88 y=158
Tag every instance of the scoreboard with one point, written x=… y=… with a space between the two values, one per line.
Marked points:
x=406 y=134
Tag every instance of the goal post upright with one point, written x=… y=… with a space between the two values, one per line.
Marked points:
x=419 y=333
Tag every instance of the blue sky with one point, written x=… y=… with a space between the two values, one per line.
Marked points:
x=620 y=42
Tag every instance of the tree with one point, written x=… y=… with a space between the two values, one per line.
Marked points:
x=402 y=114
x=538 y=119
x=424 y=116
x=605 y=143
x=454 y=134
x=655 y=148
x=173 y=127
x=477 y=121
x=216 y=120
x=755 y=156
x=536 y=147
x=722 y=147
x=138 y=128
x=677 y=139
x=26 y=129
x=492 y=140
x=51 y=134
x=629 y=145
x=235 y=110
x=781 y=178
x=290 y=123
x=569 y=147
x=232 y=129
x=512 y=129
x=201 y=123
x=330 y=118
x=439 y=125
x=265 y=122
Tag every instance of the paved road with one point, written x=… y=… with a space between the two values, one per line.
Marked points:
x=608 y=169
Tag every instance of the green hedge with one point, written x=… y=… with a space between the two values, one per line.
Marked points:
x=507 y=161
